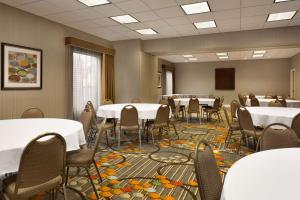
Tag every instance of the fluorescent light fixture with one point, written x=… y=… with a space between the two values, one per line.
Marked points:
x=281 y=16
x=207 y=24
x=260 y=51
x=196 y=8
x=223 y=57
x=258 y=55
x=147 y=31
x=193 y=59
x=188 y=56
x=222 y=54
x=91 y=3
x=279 y=1
x=124 y=19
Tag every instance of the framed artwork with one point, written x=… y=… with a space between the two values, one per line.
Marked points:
x=21 y=67
x=159 y=80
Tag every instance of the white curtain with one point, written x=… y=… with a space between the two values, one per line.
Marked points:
x=169 y=83
x=86 y=80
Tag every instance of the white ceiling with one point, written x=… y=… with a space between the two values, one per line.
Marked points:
x=164 y=16
x=234 y=55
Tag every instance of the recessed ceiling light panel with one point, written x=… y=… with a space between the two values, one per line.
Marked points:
x=279 y=1
x=207 y=24
x=188 y=56
x=196 y=8
x=221 y=54
x=223 y=57
x=193 y=59
x=147 y=31
x=91 y=3
x=260 y=51
x=124 y=19
x=258 y=55
x=281 y=16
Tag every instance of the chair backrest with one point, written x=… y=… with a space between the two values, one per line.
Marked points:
x=42 y=161
x=296 y=124
x=107 y=102
x=234 y=106
x=217 y=103
x=99 y=134
x=283 y=102
x=251 y=95
x=275 y=104
x=207 y=173
x=193 y=105
x=242 y=99
x=164 y=101
x=162 y=115
x=221 y=101
x=136 y=100
x=129 y=117
x=245 y=119
x=90 y=106
x=171 y=103
x=33 y=113
x=227 y=117
x=283 y=137
x=254 y=102
x=86 y=118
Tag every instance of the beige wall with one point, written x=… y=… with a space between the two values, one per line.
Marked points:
x=257 y=76
x=21 y=28
x=296 y=65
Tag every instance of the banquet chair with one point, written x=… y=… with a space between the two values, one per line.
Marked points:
x=86 y=118
x=242 y=99
x=214 y=110
x=231 y=127
x=136 y=100
x=211 y=96
x=247 y=127
x=108 y=102
x=277 y=138
x=33 y=113
x=275 y=104
x=207 y=173
x=283 y=102
x=160 y=122
x=234 y=106
x=193 y=108
x=84 y=158
x=254 y=102
x=129 y=122
x=296 y=125
x=173 y=107
x=251 y=95
x=41 y=168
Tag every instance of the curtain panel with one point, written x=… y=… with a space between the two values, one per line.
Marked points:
x=108 y=77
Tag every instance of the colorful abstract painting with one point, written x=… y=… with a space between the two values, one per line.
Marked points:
x=21 y=67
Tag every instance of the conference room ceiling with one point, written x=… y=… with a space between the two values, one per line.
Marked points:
x=164 y=16
x=233 y=55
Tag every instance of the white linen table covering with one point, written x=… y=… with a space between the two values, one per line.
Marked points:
x=185 y=101
x=265 y=102
x=267 y=175
x=145 y=110
x=17 y=133
x=264 y=116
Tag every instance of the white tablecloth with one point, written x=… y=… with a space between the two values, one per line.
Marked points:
x=145 y=110
x=17 y=133
x=267 y=175
x=265 y=102
x=185 y=101
x=263 y=116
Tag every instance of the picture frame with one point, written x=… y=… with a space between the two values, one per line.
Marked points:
x=158 y=80
x=21 y=67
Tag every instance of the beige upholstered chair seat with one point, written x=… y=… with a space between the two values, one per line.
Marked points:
x=25 y=193
x=82 y=156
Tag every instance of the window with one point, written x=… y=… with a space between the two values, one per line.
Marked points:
x=86 y=80
x=169 y=82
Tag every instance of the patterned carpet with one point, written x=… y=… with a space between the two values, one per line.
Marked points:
x=162 y=171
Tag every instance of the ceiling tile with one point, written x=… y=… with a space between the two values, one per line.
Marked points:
x=217 y=5
x=228 y=14
x=156 y=23
x=295 y=22
x=104 y=21
x=256 y=22
x=256 y=10
x=67 y=4
x=208 y=30
x=41 y=8
x=249 y=3
x=16 y=2
x=178 y=21
x=276 y=24
x=157 y=4
x=186 y=27
x=136 y=26
x=229 y=25
x=170 y=12
x=109 y=10
x=201 y=17
x=286 y=6
x=132 y=6
x=118 y=28
x=145 y=16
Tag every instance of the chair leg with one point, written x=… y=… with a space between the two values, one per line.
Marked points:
x=67 y=175
x=97 y=170
x=140 y=139
x=119 y=139
x=106 y=137
x=151 y=130
x=93 y=185
x=174 y=127
x=65 y=192
x=227 y=137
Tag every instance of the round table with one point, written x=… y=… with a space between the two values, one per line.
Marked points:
x=263 y=116
x=267 y=175
x=265 y=102
x=203 y=101
x=145 y=110
x=17 y=133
